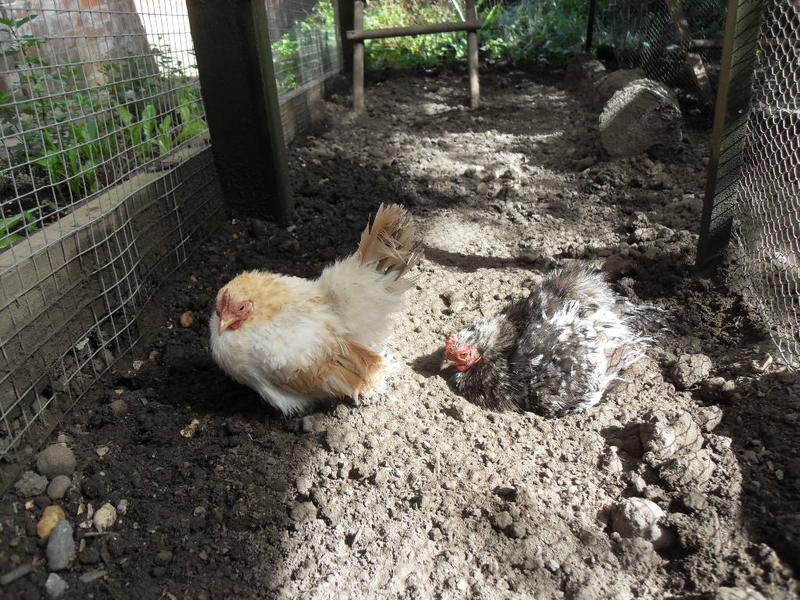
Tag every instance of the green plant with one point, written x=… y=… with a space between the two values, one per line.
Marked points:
x=13 y=229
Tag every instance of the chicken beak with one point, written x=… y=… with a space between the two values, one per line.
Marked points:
x=446 y=364
x=225 y=324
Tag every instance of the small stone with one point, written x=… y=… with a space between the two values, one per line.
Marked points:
x=60 y=547
x=666 y=434
x=30 y=484
x=14 y=574
x=482 y=189
x=51 y=516
x=709 y=417
x=55 y=586
x=187 y=319
x=58 y=487
x=502 y=520
x=89 y=555
x=57 y=459
x=691 y=369
x=105 y=517
x=695 y=501
x=137 y=365
x=164 y=557
x=101 y=451
x=688 y=471
x=118 y=407
x=303 y=485
x=122 y=507
x=638 y=517
x=304 y=511
x=552 y=566
x=735 y=593
x=91 y=576
x=638 y=484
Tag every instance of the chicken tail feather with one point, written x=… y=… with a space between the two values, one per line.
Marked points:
x=389 y=243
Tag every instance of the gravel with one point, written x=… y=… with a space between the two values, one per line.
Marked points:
x=30 y=484
x=60 y=547
x=58 y=487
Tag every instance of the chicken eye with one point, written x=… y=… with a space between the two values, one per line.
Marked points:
x=242 y=307
x=461 y=356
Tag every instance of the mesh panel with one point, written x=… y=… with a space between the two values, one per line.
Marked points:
x=644 y=35
x=767 y=223
x=103 y=132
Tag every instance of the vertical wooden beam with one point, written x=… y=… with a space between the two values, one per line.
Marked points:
x=234 y=60
x=590 y=26
x=358 y=58
x=742 y=27
x=472 y=58
x=345 y=13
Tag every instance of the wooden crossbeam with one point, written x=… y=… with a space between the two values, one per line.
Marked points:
x=412 y=30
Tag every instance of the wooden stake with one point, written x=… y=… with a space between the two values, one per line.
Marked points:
x=358 y=59
x=472 y=56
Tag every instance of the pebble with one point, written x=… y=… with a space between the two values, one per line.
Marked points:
x=105 y=517
x=14 y=574
x=734 y=593
x=639 y=517
x=55 y=586
x=710 y=417
x=51 y=517
x=552 y=566
x=482 y=189
x=57 y=459
x=30 y=484
x=304 y=511
x=118 y=407
x=122 y=507
x=303 y=485
x=688 y=471
x=164 y=557
x=60 y=547
x=187 y=319
x=58 y=487
x=695 y=501
x=91 y=576
x=341 y=438
x=666 y=434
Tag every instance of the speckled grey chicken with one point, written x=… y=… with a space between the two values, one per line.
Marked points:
x=553 y=353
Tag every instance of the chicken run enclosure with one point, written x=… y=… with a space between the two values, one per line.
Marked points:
x=133 y=131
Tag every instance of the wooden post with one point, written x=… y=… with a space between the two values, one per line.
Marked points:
x=241 y=101
x=344 y=13
x=472 y=57
x=590 y=27
x=358 y=59
x=742 y=28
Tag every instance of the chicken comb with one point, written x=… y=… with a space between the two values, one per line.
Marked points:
x=452 y=344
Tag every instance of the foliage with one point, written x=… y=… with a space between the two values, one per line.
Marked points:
x=81 y=137
x=12 y=229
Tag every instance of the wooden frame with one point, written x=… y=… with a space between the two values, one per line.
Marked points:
x=358 y=35
x=742 y=27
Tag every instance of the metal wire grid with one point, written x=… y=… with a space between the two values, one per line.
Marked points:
x=101 y=118
x=767 y=217
x=305 y=44
x=644 y=35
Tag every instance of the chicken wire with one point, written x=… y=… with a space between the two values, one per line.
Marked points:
x=305 y=52
x=767 y=215
x=103 y=130
x=643 y=34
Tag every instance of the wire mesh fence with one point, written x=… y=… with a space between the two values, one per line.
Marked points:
x=647 y=35
x=105 y=189
x=767 y=216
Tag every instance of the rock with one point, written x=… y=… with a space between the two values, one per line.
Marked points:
x=164 y=557
x=638 y=554
x=734 y=593
x=51 y=516
x=91 y=576
x=122 y=507
x=502 y=520
x=118 y=407
x=640 y=115
x=341 y=438
x=303 y=485
x=60 y=547
x=690 y=370
x=30 y=484
x=105 y=517
x=58 y=487
x=55 y=587
x=688 y=471
x=57 y=459
x=14 y=574
x=695 y=501
x=304 y=511
x=186 y=319
x=552 y=566
x=666 y=434
x=612 y=462
x=581 y=72
x=639 y=518
x=609 y=84
x=482 y=189
x=709 y=417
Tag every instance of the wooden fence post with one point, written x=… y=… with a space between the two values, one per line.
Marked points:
x=237 y=79
x=358 y=58
x=472 y=57
x=732 y=109
x=587 y=47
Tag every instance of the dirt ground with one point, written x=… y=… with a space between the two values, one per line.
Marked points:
x=414 y=492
